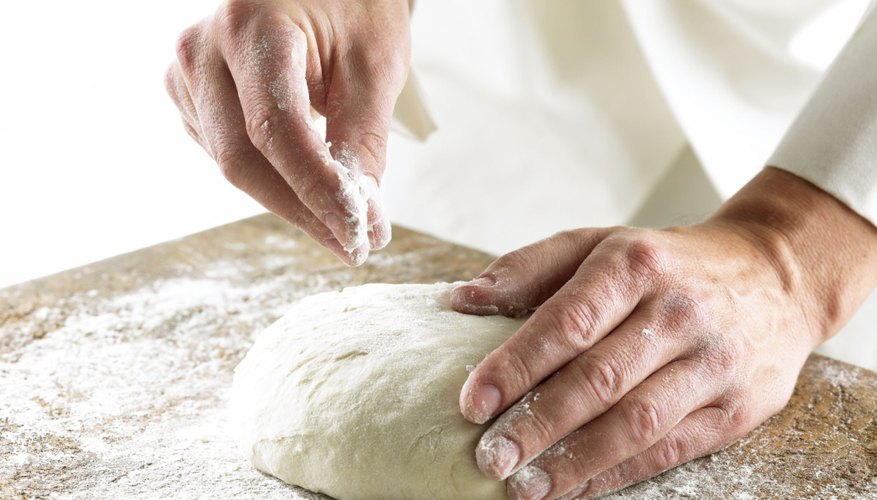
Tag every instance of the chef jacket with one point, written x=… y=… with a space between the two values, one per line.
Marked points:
x=533 y=116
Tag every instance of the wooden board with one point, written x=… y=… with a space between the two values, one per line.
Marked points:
x=114 y=376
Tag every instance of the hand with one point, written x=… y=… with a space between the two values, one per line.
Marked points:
x=653 y=347
x=246 y=81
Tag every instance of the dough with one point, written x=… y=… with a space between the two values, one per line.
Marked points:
x=355 y=394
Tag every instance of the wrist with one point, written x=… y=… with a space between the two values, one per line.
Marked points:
x=824 y=254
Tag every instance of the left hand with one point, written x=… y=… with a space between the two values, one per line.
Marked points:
x=650 y=348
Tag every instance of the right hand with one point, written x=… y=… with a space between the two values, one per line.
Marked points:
x=246 y=81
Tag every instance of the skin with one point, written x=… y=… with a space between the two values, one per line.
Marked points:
x=239 y=82
x=647 y=347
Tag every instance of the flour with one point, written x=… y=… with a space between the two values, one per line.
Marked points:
x=353 y=196
x=131 y=388
x=290 y=93
x=114 y=378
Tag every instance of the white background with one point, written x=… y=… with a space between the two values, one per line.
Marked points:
x=93 y=158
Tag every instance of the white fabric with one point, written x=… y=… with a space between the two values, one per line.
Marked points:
x=534 y=132
x=554 y=114
x=726 y=71
x=833 y=143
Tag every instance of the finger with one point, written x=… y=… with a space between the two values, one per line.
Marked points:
x=267 y=59
x=602 y=293
x=379 y=229
x=359 y=110
x=580 y=391
x=638 y=421
x=179 y=93
x=704 y=431
x=520 y=281
x=194 y=134
x=216 y=103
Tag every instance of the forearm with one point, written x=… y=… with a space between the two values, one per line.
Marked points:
x=825 y=253
x=816 y=217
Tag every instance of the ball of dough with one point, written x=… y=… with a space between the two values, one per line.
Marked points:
x=355 y=394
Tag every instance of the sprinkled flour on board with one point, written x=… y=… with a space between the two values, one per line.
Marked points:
x=114 y=377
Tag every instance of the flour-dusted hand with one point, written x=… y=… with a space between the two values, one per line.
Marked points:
x=653 y=347
x=246 y=81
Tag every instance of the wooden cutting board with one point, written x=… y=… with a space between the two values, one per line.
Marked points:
x=114 y=376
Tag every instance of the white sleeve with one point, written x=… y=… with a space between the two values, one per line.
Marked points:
x=833 y=141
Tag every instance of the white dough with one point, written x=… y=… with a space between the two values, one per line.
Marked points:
x=355 y=394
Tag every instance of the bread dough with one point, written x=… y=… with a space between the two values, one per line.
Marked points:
x=355 y=394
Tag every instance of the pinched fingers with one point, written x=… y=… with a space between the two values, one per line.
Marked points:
x=213 y=99
x=267 y=56
x=176 y=88
x=359 y=109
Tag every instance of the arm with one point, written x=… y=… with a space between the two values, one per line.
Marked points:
x=246 y=81
x=653 y=347
x=665 y=345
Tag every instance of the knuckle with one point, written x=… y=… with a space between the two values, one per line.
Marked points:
x=681 y=311
x=381 y=65
x=234 y=16
x=737 y=416
x=260 y=118
x=728 y=353
x=539 y=429
x=532 y=430
x=188 y=48
x=375 y=144
x=573 y=239
x=568 y=235
x=516 y=376
x=522 y=259
x=575 y=321
x=603 y=379
x=644 y=420
x=644 y=257
x=230 y=165
x=667 y=454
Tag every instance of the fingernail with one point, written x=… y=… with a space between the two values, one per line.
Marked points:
x=381 y=234
x=497 y=456
x=483 y=403
x=380 y=231
x=529 y=483
x=359 y=255
x=338 y=228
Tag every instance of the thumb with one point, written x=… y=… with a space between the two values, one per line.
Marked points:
x=357 y=127
x=520 y=281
